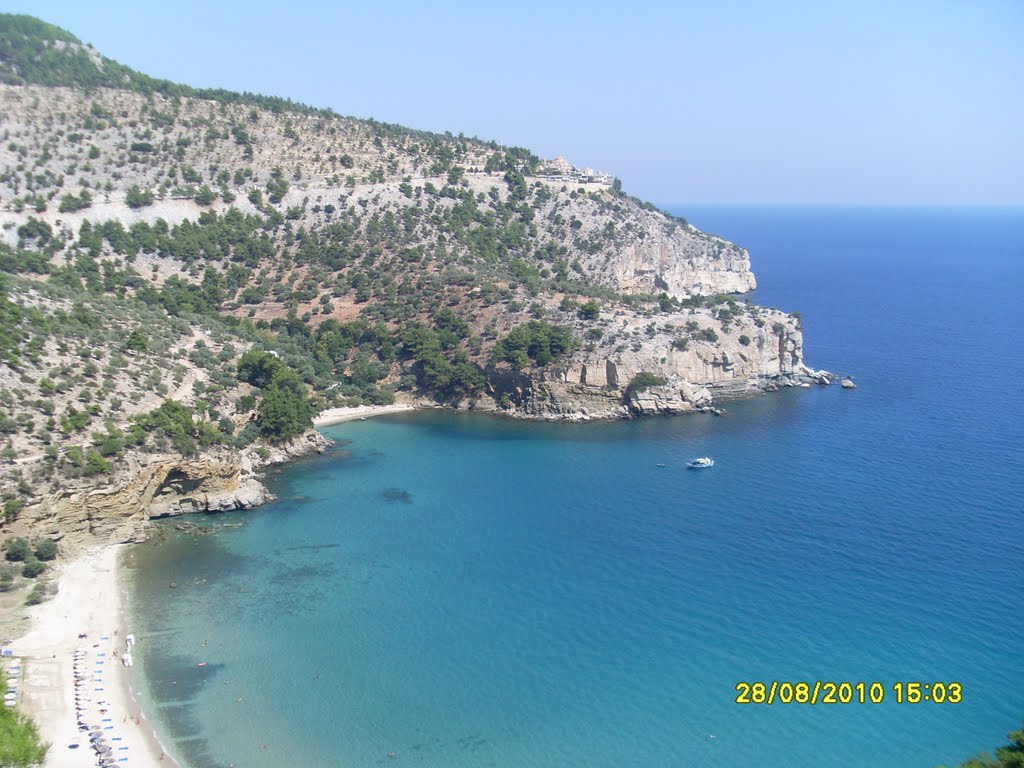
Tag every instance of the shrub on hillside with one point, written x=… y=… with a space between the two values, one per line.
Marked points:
x=46 y=549
x=17 y=549
x=643 y=381
x=32 y=568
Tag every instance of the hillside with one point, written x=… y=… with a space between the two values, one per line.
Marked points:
x=152 y=233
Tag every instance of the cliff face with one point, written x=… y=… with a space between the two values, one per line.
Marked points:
x=153 y=486
x=164 y=231
x=645 y=252
x=757 y=352
x=686 y=263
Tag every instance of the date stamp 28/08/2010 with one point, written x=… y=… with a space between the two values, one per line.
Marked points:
x=829 y=692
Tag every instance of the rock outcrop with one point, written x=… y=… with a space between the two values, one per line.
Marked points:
x=149 y=486
x=696 y=360
x=679 y=260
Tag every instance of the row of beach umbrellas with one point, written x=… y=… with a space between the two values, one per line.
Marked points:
x=98 y=734
x=13 y=677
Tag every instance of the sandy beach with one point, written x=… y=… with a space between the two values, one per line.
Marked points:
x=89 y=601
x=338 y=415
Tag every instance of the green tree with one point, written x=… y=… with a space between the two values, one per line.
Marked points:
x=537 y=341
x=277 y=187
x=643 y=381
x=70 y=203
x=11 y=509
x=20 y=746
x=590 y=310
x=285 y=410
x=137 y=341
x=32 y=568
x=95 y=464
x=138 y=198
x=258 y=368
x=17 y=549
x=175 y=422
x=46 y=549
x=1009 y=756
x=204 y=195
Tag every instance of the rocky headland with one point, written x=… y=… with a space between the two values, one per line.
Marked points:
x=189 y=276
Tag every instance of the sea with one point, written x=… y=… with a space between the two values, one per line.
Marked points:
x=454 y=590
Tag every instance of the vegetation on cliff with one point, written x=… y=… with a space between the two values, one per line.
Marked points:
x=183 y=268
x=33 y=52
x=1009 y=756
x=20 y=745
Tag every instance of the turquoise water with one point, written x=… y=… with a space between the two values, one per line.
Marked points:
x=467 y=591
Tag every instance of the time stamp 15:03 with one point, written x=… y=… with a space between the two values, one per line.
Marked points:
x=828 y=692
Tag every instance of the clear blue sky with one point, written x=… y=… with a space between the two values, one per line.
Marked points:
x=872 y=101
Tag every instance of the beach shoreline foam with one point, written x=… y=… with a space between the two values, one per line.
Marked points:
x=89 y=601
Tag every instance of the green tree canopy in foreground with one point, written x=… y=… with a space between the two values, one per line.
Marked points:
x=20 y=746
x=1010 y=756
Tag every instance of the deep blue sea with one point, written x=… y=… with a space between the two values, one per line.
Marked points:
x=468 y=591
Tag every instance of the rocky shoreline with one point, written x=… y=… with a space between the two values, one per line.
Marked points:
x=562 y=399
x=155 y=486
x=151 y=486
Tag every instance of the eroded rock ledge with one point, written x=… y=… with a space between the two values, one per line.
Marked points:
x=761 y=350
x=148 y=486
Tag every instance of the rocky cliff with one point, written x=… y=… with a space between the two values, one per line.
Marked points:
x=149 y=486
x=153 y=234
x=695 y=360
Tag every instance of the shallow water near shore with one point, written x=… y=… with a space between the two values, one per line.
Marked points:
x=464 y=591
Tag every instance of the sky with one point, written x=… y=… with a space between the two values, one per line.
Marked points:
x=904 y=102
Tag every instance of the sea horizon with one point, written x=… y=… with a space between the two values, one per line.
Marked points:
x=677 y=208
